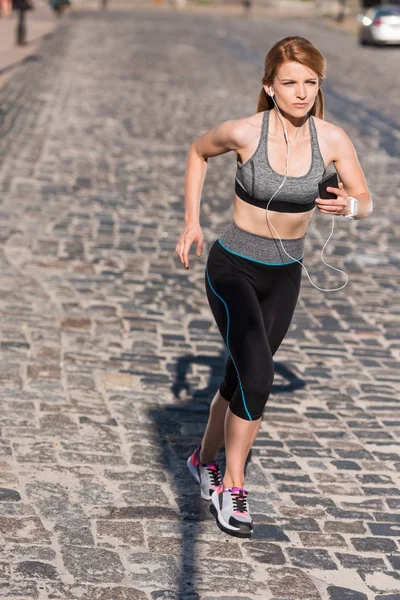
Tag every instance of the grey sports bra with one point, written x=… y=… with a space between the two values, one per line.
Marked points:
x=256 y=181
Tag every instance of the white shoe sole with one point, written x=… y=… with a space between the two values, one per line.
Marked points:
x=195 y=474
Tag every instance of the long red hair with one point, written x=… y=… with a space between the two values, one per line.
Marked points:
x=293 y=49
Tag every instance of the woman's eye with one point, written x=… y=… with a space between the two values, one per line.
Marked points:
x=292 y=82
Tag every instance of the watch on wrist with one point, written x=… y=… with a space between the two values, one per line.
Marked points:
x=353 y=208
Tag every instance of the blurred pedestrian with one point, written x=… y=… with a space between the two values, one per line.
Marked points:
x=22 y=6
x=246 y=7
x=253 y=271
x=341 y=11
x=59 y=6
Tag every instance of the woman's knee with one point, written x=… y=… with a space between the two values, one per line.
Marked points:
x=219 y=402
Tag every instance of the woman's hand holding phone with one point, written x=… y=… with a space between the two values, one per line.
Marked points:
x=332 y=198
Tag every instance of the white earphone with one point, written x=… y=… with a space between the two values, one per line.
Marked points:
x=271 y=91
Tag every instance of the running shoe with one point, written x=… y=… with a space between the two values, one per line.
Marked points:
x=207 y=475
x=229 y=507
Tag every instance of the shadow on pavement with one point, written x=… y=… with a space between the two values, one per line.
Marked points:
x=180 y=427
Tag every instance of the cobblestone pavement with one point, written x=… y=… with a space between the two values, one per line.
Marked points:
x=109 y=354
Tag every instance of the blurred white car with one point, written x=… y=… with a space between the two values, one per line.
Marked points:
x=380 y=25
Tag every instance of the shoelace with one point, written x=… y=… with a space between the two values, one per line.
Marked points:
x=239 y=501
x=215 y=474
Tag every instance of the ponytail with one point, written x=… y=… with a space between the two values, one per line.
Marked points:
x=265 y=101
x=318 y=108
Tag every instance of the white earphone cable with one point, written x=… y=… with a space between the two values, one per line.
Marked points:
x=280 y=240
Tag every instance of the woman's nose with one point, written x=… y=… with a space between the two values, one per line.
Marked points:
x=301 y=93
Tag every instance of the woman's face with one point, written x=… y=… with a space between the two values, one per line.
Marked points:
x=295 y=87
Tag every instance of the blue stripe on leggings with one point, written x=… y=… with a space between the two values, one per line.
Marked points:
x=227 y=343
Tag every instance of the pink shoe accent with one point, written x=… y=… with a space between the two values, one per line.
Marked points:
x=195 y=458
x=241 y=514
x=236 y=490
x=210 y=465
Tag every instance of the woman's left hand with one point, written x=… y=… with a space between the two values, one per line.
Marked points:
x=336 y=206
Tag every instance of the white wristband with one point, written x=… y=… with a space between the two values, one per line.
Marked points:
x=353 y=207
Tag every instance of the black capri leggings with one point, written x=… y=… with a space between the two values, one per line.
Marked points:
x=253 y=303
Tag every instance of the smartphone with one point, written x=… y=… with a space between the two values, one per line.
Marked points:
x=328 y=181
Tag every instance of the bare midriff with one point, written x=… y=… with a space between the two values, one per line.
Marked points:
x=254 y=219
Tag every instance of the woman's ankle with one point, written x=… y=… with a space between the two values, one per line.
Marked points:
x=206 y=458
x=229 y=483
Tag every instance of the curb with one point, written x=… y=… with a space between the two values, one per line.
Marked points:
x=28 y=52
x=35 y=42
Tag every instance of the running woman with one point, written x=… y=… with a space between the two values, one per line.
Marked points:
x=253 y=271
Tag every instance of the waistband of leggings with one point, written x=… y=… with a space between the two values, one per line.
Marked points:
x=261 y=249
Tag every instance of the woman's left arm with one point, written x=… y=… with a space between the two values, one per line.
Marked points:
x=350 y=172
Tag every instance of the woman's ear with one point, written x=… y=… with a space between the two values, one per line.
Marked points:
x=267 y=89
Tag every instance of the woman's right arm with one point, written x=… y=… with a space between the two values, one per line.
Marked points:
x=220 y=140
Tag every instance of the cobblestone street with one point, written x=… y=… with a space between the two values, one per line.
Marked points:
x=109 y=352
